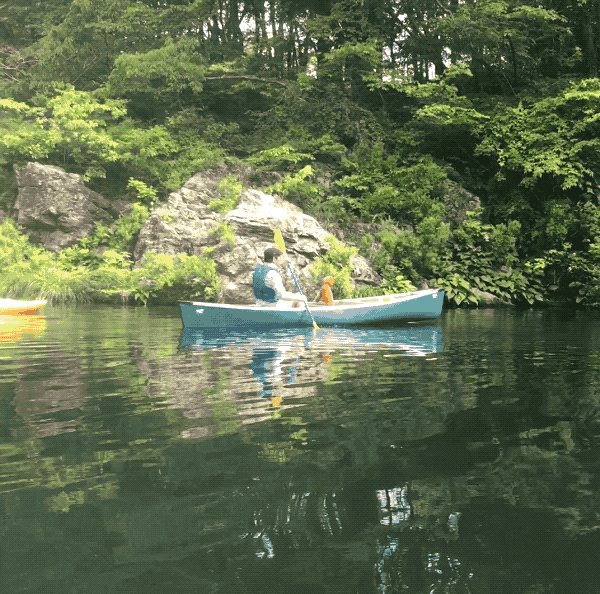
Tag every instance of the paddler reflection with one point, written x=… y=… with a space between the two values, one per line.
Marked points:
x=268 y=366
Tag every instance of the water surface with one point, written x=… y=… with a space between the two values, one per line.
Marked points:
x=456 y=456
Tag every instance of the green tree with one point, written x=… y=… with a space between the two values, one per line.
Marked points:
x=499 y=38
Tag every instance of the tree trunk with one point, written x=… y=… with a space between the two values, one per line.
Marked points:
x=261 y=26
x=589 y=48
x=589 y=43
x=291 y=53
x=275 y=52
x=234 y=33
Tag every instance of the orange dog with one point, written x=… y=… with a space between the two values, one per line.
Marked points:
x=326 y=294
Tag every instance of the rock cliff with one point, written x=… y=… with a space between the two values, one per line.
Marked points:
x=56 y=210
x=186 y=224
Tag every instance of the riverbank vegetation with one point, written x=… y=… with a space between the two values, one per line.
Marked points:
x=99 y=268
x=464 y=136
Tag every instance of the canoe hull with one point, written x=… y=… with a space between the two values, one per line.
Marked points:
x=17 y=307
x=419 y=305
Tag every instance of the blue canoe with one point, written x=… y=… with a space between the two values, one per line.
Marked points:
x=418 y=305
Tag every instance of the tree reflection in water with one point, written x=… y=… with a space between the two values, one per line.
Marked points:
x=406 y=553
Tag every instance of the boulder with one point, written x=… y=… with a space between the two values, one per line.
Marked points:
x=363 y=274
x=488 y=299
x=186 y=224
x=54 y=207
x=458 y=202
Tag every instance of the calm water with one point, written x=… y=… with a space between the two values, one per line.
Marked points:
x=459 y=456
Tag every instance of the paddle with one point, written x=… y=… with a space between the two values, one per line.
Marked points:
x=281 y=246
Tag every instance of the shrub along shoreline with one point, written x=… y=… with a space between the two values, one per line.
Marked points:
x=99 y=268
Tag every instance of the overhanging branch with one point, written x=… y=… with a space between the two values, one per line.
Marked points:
x=246 y=76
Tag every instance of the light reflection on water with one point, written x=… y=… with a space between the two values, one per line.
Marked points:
x=347 y=460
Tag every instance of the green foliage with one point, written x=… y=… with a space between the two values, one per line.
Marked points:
x=75 y=274
x=119 y=236
x=573 y=275
x=146 y=194
x=144 y=149
x=302 y=118
x=553 y=136
x=160 y=277
x=396 y=251
x=409 y=193
x=224 y=231
x=312 y=155
x=77 y=41
x=83 y=130
x=86 y=131
x=189 y=277
x=14 y=247
x=336 y=263
x=72 y=122
x=296 y=188
x=188 y=126
x=484 y=257
x=366 y=241
x=299 y=148
x=32 y=272
x=367 y=51
x=280 y=157
x=456 y=288
x=443 y=104
x=191 y=159
x=230 y=190
x=389 y=286
x=410 y=254
x=195 y=146
x=128 y=226
x=558 y=221
x=398 y=284
x=501 y=35
x=171 y=68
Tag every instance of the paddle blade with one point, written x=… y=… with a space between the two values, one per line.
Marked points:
x=279 y=240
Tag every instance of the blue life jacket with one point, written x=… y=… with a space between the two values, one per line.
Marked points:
x=261 y=290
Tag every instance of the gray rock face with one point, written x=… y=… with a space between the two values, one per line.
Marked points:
x=57 y=210
x=490 y=299
x=186 y=224
x=457 y=204
x=54 y=206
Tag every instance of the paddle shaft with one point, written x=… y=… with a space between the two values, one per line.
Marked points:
x=301 y=293
x=281 y=246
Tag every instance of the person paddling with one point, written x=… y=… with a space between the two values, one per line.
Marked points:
x=267 y=283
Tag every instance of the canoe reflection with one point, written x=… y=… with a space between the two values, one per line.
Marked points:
x=413 y=339
x=13 y=327
x=276 y=354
